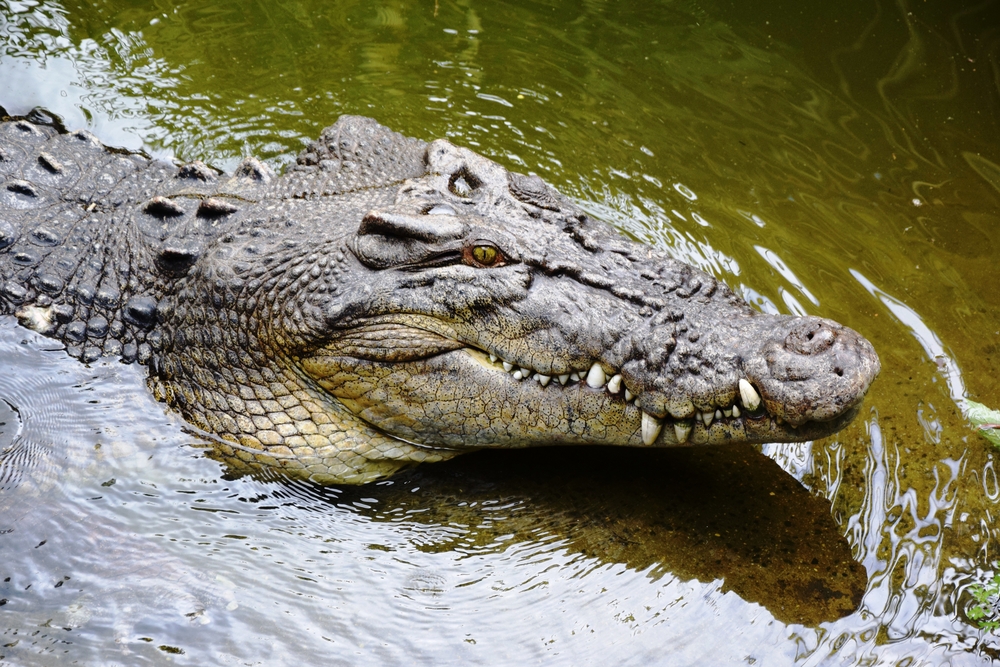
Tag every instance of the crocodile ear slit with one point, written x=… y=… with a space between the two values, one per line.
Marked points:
x=430 y=229
x=386 y=239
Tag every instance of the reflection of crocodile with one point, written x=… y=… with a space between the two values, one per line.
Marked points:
x=389 y=301
x=726 y=514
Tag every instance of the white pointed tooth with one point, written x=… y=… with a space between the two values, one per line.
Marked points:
x=682 y=430
x=707 y=417
x=574 y=376
x=751 y=399
x=493 y=358
x=563 y=379
x=543 y=379
x=718 y=414
x=651 y=427
x=615 y=384
x=728 y=412
x=507 y=366
x=525 y=373
x=628 y=395
x=518 y=375
x=736 y=411
x=596 y=377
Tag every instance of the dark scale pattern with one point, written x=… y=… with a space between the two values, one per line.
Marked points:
x=386 y=301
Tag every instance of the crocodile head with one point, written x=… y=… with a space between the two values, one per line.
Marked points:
x=492 y=312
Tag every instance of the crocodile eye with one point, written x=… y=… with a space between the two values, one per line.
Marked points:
x=484 y=255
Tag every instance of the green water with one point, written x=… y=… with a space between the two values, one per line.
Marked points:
x=841 y=160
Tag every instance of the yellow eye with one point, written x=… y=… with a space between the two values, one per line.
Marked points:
x=485 y=254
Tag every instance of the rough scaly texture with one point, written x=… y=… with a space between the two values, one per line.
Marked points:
x=389 y=301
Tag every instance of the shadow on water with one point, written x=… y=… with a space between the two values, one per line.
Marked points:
x=726 y=513
x=839 y=160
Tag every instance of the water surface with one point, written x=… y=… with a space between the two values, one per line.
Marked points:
x=840 y=161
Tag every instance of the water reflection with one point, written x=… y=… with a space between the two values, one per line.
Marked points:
x=928 y=340
x=854 y=143
x=728 y=514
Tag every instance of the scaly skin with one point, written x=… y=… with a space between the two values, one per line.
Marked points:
x=358 y=313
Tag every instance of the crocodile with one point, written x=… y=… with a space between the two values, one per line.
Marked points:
x=388 y=301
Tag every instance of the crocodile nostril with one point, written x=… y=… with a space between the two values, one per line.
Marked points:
x=811 y=336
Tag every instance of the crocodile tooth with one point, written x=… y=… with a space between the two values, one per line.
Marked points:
x=563 y=379
x=574 y=376
x=507 y=367
x=493 y=358
x=651 y=427
x=615 y=384
x=682 y=430
x=707 y=417
x=736 y=411
x=525 y=372
x=718 y=414
x=628 y=395
x=596 y=377
x=543 y=379
x=729 y=412
x=751 y=399
x=518 y=375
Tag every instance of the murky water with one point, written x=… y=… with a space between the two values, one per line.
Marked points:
x=841 y=161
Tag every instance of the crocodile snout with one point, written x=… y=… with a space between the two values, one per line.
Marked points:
x=810 y=368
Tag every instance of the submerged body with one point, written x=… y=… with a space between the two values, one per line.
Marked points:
x=389 y=301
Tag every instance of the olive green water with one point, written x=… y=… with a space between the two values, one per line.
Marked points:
x=842 y=161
